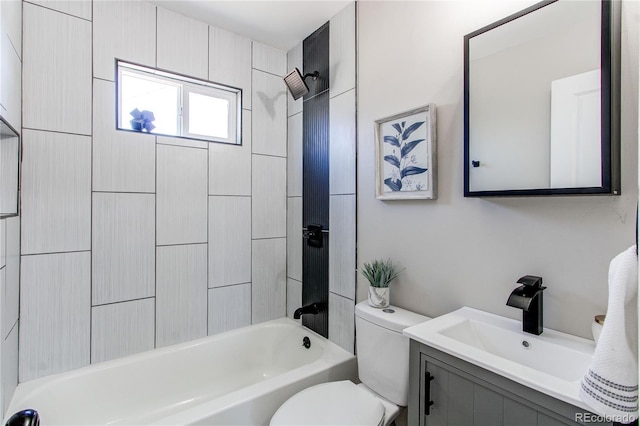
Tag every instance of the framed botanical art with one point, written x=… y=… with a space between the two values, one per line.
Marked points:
x=406 y=155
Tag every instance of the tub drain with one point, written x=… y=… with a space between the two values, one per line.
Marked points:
x=306 y=342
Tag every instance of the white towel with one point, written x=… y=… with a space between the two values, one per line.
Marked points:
x=610 y=386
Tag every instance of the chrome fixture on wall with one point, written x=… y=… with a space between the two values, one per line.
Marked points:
x=295 y=81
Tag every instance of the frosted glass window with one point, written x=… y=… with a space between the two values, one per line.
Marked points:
x=208 y=116
x=149 y=94
x=158 y=102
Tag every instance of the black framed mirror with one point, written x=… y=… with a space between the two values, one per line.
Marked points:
x=542 y=102
x=9 y=170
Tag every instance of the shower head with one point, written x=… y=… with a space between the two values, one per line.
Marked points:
x=296 y=84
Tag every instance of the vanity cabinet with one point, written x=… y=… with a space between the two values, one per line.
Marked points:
x=463 y=394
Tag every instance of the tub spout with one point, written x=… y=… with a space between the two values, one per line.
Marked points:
x=309 y=309
x=24 y=418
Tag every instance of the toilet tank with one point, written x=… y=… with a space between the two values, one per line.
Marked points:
x=383 y=351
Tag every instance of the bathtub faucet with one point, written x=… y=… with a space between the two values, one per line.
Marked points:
x=309 y=309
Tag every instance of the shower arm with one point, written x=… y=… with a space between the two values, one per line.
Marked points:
x=314 y=75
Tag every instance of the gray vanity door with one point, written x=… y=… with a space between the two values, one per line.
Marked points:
x=452 y=397
x=461 y=400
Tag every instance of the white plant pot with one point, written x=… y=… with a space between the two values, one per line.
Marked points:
x=379 y=297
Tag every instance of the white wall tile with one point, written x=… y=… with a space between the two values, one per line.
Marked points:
x=55 y=313
x=10 y=82
x=9 y=171
x=56 y=192
x=294 y=238
x=11 y=296
x=3 y=286
x=3 y=244
x=269 y=200
x=181 y=293
x=229 y=308
x=123 y=247
x=9 y=367
x=269 y=59
x=230 y=61
x=181 y=195
x=269 y=114
x=294 y=60
x=230 y=165
x=125 y=30
x=294 y=296
x=294 y=156
x=342 y=245
x=11 y=23
x=56 y=71
x=342 y=322
x=342 y=143
x=269 y=283
x=183 y=142
x=79 y=8
x=229 y=240
x=183 y=44
x=122 y=161
x=342 y=51
x=121 y=329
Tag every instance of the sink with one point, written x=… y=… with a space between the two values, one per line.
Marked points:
x=552 y=363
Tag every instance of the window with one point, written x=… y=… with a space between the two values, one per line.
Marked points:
x=162 y=103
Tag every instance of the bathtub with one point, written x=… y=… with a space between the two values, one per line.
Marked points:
x=239 y=377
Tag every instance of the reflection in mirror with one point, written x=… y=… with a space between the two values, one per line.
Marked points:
x=541 y=113
x=9 y=170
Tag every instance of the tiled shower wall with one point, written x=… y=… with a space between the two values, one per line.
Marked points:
x=10 y=110
x=134 y=241
x=342 y=180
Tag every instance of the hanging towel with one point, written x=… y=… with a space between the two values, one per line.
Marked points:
x=610 y=386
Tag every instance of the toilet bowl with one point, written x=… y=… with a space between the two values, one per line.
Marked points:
x=383 y=368
x=333 y=403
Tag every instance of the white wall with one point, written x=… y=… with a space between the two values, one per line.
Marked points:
x=135 y=241
x=470 y=251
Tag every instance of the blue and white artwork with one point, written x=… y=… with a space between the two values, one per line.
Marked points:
x=405 y=145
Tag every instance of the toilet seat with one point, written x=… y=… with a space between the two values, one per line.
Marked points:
x=334 y=403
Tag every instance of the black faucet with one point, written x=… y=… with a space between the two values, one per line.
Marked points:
x=28 y=417
x=528 y=297
x=309 y=309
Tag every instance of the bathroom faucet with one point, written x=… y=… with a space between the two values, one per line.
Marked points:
x=528 y=297
x=309 y=309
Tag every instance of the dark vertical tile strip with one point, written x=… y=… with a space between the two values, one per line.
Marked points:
x=315 y=57
x=315 y=285
x=315 y=176
x=315 y=161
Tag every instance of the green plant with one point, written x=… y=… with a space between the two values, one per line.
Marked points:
x=379 y=273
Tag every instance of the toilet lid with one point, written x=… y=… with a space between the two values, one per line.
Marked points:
x=334 y=403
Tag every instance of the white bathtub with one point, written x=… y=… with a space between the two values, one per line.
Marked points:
x=240 y=377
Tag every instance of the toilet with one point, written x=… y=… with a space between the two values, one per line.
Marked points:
x=383 y=369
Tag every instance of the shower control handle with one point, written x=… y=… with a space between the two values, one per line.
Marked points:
x=314 y=235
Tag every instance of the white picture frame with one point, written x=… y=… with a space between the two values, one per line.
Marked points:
x=406 y=155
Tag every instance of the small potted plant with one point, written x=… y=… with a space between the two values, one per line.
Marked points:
x=379 y=273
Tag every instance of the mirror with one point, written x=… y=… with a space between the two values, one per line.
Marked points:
x=541 y=99
x=9 y=170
